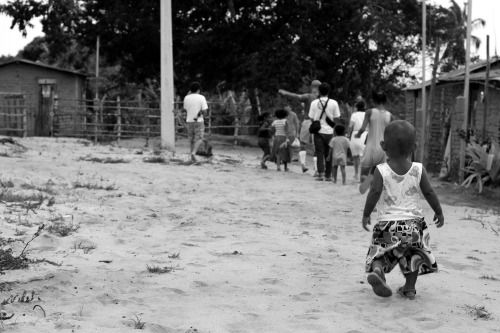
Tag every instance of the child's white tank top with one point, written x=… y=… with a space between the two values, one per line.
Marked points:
x=401 y=197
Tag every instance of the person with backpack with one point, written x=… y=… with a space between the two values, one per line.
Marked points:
x=324 y=112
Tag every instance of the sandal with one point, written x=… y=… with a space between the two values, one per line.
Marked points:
x=409 y=294
x=380 y=288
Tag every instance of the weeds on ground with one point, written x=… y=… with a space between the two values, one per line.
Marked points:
x=95 y=186
x=109 y=160
x=46 y=189
x=489 y=277
x=59 y=227
x=155 y=159
x=175 y=255
x=8 y=261
x=86 y=247
x=6 y=183
x=23 y=298
x=478 y=312
x=20 y=232
x=138 y=323
x=160 y=270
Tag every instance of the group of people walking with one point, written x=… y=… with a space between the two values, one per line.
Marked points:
x=381 y=148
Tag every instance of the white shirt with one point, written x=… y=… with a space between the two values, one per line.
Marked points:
x=332 y=111
x=401 y=197
x=193 y=104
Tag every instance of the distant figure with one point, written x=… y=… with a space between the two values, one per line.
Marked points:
x=305 y=137
x=338 y=152
x=282 y=150
x=324 y=136
x=401 y=235
x=377 y=118
x=293 y=130
x=195 y=106
x=265 y=134
x=357 y=145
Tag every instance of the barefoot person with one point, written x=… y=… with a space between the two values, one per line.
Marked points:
x=196 y=106
x=377 y=118
x=305 y=137
x=401 y=235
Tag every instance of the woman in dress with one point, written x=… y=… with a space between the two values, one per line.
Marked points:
x=377 y=118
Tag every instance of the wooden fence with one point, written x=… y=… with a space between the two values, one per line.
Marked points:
x=116 y=120
x=13 y=115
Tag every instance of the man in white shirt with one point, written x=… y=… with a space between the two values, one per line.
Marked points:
x=324 y=136
x=195 y=106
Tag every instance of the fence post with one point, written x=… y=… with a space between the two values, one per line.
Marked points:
x=25 y=117
x=96 y=118
x=210 y=121
x=147 y=128
x=236 y=129
x=118 y=120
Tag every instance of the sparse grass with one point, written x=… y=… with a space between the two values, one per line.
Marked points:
x=95 y=186
x=46 y=189
x=109 y=160
x=160 y=270
x=138 y=323
x=155 y=159
x=8 y=261
x=478 y=312
x=86 y=247
x=59 y=227
x=22 y=298
x=489 y=277
x=175 y=255
x=20 y=232
x=6 y=183
x=473 y=258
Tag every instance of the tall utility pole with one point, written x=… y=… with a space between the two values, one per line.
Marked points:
x=424 y=101
x=486 y=86
x=465 y=125
x=167 y=78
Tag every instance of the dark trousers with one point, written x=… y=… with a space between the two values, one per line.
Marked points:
x=321 y=145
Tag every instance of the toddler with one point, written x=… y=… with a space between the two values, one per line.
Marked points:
x=338 y=152
x=401 y=235
x=282 y=149
x=264 y=135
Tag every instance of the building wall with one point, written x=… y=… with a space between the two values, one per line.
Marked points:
x=448 y=118
x=23 y=78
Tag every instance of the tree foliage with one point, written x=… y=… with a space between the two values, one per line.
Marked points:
x=355 y=45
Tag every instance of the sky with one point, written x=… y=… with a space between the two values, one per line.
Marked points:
x=11 y=41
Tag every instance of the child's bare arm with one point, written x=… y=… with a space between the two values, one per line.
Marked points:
x=431 y=198
x=372 y=198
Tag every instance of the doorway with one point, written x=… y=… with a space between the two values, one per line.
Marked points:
x=46 y=94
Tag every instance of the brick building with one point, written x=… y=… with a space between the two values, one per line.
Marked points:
x=446 y=113
x=38 y=85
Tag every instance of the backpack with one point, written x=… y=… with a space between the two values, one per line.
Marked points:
x=316 y=124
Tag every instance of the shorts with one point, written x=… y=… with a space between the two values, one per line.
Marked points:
x=305 y=135
x=195 y=131
x=404 y=243
x=339 y=161
x=265 y=146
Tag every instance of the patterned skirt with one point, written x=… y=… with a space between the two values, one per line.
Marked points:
x=285 y=154
x=403 y=242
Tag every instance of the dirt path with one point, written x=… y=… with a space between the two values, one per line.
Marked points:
x=242 y=249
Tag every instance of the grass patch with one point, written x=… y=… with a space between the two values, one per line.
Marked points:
x=159 y=270
x=155 y=159
x=107 y=160
x=87 y=248
x=138 y=323
x=10 y=262
x=95 y=186
x=59 y=227
x=174 y=255
x=478 y=312
x=6 y=183
x=488 y=277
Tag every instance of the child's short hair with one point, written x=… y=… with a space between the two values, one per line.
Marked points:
x=263 y=116
x=281 y=113
x=361 y=105
x=399 y=138
x=339 y=130
x=324 y=89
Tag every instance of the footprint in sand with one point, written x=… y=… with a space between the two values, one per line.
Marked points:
x=272 y=281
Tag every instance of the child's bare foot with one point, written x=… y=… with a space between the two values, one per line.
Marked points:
x=380 y=288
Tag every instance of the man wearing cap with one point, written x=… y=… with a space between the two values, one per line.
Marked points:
x=305 y=136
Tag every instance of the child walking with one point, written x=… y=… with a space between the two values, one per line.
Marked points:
x=338 y=152
x=264 y=135
x=401 y=235
x=282 y=149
